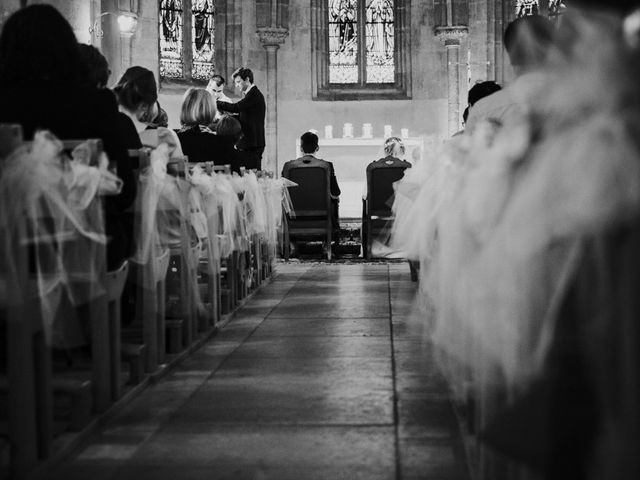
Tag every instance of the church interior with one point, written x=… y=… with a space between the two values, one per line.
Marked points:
x=319 y=239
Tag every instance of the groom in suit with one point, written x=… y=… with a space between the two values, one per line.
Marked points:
x=251 y=109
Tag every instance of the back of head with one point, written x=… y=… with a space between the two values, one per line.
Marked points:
x=393 y=147
x=244 y=73
x=96 y=66
x=136 y=88
x=38 y=47
x=198 y=108
x=228 y=126
x=528 y=41
x=218 y=79
x=481 y=90
x=309 y=142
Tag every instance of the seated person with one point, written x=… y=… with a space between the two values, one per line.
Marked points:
x=49 y=88
x=118 y=221
x=393 y=150
x=98 y=75
x=137 y=94
x=309 y=147
x=229 y=131
x=199 y=142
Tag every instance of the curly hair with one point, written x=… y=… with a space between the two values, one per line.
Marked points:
x=38 y=46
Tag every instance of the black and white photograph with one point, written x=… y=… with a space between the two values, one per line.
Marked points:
x=319 y=239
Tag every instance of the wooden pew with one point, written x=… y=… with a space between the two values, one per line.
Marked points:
x=150 y=294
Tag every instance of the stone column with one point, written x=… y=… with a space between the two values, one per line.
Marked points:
x=272 y=38
x=452 y=36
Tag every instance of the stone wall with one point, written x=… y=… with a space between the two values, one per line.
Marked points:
x=424 y=114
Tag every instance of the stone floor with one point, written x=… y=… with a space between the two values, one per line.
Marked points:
x=322 y=375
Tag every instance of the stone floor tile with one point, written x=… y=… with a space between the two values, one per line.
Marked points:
x=313 y=347
x=333 y=310
x=85 y=471
x=322 y=327
x=280 y=447
x=429 y=458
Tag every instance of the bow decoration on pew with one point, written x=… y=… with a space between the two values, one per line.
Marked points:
x=51 y=218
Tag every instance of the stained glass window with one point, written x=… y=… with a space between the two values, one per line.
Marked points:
x=171 y=35
x=556 y=8
x=343 y=41
x=361 y=51
x=202 y=32
x=187 y=30
x=527 y=7
x=380 y=41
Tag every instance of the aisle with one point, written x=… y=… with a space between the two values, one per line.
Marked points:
x=319 y=376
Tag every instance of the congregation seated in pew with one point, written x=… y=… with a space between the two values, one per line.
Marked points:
x=50 y=89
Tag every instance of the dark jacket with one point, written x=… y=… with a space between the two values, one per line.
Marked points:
x=200 y=144
x=251 y=109
x=311 y=161
x=72 y=112
x=229 y=155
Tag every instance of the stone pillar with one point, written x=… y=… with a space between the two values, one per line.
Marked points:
x=452 y=36
x=271 y=39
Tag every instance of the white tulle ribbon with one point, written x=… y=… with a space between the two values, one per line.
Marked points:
x=52 y=227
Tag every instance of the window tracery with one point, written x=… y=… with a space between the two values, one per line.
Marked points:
x=186 y=30
x=360 y=46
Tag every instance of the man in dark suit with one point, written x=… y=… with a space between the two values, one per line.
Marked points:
x=251 y=109
x=309 y=147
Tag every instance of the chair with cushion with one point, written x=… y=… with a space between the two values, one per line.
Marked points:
x=376 y=207
x=312 y=207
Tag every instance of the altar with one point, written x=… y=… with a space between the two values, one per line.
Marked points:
x=350 y=157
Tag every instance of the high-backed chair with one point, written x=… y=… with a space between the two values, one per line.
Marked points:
x=311 y=201
x=376 y=208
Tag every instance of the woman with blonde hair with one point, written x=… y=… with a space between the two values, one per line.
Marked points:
x=199 y=142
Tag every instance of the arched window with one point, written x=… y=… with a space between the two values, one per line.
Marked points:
x=186 y=29
x=361 y=49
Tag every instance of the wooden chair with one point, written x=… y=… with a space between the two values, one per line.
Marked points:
x=312 y=206
x=376 y=207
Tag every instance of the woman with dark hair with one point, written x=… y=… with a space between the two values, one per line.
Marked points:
x=96 y=65
x=229 y=132
x=137 y=93
x=44 y=85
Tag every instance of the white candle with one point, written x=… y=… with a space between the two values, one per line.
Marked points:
x=387 y=131
x=367 y=130
x=328 y=131
x=404 y=132
x=347 y=130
